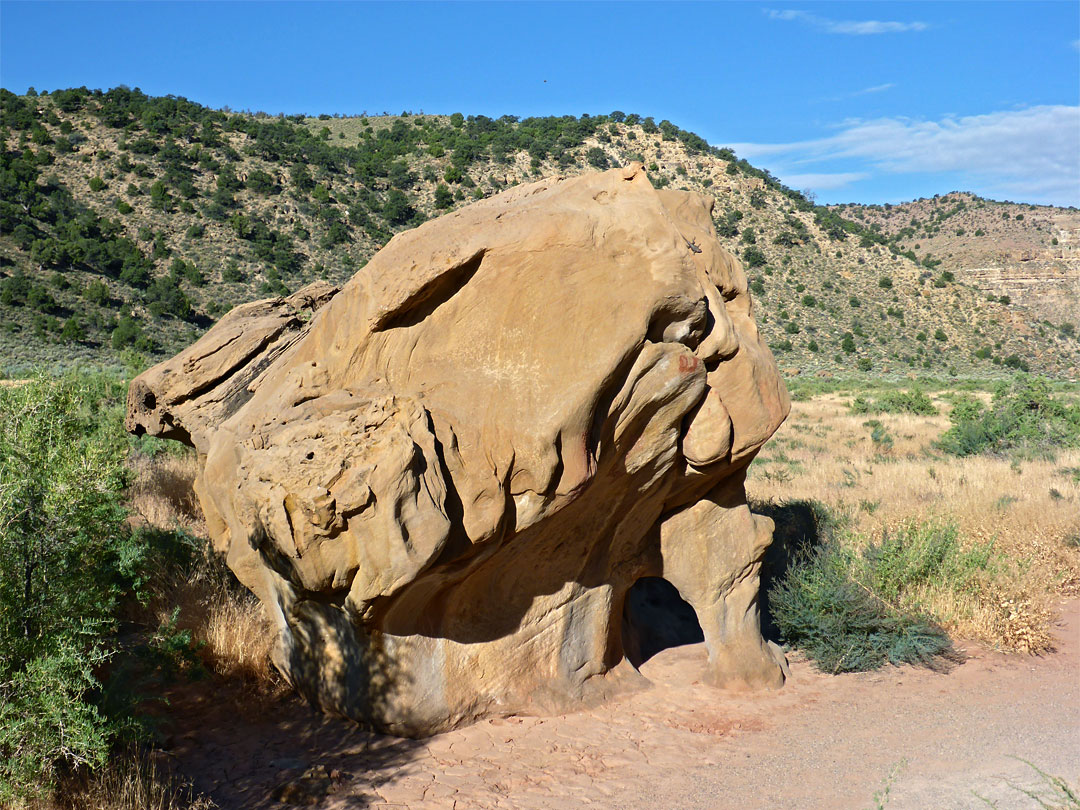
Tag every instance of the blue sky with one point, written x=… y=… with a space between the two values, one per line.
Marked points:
x=856 y=101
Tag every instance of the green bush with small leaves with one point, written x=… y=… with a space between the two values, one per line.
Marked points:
x=852 y=606
x=1023 y=419
x=66 y=559
x=914 y=401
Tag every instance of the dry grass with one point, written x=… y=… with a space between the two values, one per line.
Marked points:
x=129 y=782
x=1029 y=510
x=161 y=492
x=226 y=618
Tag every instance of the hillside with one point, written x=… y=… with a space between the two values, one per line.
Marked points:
x=130 y=222
x=1029 y=253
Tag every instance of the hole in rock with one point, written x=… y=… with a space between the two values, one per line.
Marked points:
x=656 y=617
x=149 y=401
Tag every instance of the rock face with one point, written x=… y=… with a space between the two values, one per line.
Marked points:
x=443 y=479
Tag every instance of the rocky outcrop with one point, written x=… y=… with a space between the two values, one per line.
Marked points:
x=443 y=480
x=1050 y=289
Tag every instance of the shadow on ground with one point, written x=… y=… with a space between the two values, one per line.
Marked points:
x=254 y=751
x=801 y=527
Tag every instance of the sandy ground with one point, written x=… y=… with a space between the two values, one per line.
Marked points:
x=954 y=740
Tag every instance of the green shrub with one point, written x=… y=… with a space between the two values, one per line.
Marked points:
x=232 y=273
x=754 y=257
x=879 y=436
x=918 y=556
x=854 y=604
x=66 y=558
x=825 y=607
x=597 y=158
x=913 y=401
x=443 y=197
x=1023 y=419
x=1015 y=361
x=46 y=721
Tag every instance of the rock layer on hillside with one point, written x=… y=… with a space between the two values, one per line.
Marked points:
x=443 y=479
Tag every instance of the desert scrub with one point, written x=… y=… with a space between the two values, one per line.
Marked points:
x=132 y=780
x=853 y=603
x=73 y=571
x=879 y=436
x=66 y=560
x=914 y=401
x=822 y=607
x=224 y=619
x=1023 y=419
x=960 y=583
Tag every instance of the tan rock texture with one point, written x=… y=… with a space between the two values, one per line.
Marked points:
x=443 y=479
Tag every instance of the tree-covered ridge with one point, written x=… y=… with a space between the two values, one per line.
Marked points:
x=188 y=151
x=132 y=221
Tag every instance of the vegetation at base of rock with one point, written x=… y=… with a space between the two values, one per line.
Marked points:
x=73 y=575
x=132 y=780
x=851 y=611
x=1023 y=418
x=1023 y=506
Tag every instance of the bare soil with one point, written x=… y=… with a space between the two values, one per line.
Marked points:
x=953 y=740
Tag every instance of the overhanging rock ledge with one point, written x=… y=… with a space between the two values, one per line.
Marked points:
x=442 y=479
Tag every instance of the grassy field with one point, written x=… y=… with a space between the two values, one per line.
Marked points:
x=881 y=475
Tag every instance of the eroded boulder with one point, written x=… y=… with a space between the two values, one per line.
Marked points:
x=443 y=479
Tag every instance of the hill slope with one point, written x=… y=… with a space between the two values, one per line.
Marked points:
x=1029 y=253
x=132 y=222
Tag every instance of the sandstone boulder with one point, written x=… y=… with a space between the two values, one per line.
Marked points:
x=443 y=479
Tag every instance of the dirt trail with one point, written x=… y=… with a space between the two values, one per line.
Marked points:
x=820 y=742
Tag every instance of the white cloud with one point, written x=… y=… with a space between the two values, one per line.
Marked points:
x=1033 y=152
x=823 y=181
x=1075 y=44
x=854 y=27
x=877 y=88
